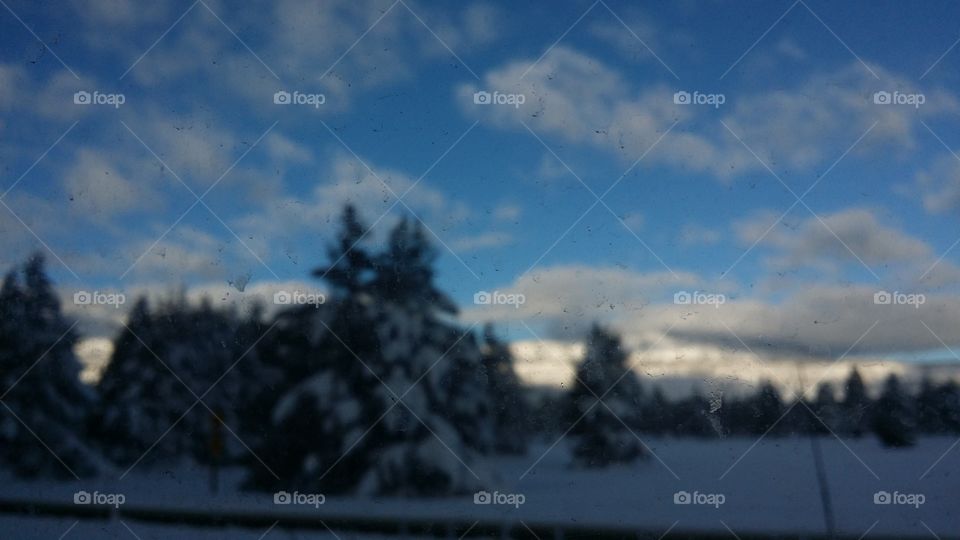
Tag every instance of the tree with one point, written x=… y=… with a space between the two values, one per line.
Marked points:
x=397 y=399
x=766 y=409
x=855 y=409
x=928 y=407
x=45 y=405
x=827 y=410
x=510 y=409
x=657 y=413
x=605 y=403
x=164 y=359
x=893 y=420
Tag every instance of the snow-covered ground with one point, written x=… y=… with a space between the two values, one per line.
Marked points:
x=767 y=488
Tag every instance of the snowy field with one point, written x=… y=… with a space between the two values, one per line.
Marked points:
x=771 y=489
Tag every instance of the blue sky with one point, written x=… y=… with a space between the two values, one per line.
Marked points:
x=701 y=196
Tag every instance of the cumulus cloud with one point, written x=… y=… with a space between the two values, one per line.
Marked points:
x=581 y=99
x=845 y=237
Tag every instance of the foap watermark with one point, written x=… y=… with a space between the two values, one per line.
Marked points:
x=289 y=298
x=282 y=97
x=484 y=298
x=98 y=298
x=96 y=97
x=682 y=97
x=698 y=298
x=304 y=499
x=905 y=499
x=701 y=499
x=483 y=97
x=899 y=98
x=101 y=499
x=897 y=298
x=509 y=499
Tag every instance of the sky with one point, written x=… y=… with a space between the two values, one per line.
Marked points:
x=779 y=164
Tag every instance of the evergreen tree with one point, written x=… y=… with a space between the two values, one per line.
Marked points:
x=855 y=409
x=930 y=417
x=165 y=359
x=510 y=410
x=657 y=413
x=603 y=432
x=693 y=417
x=393 y=375
x=42 y=396
x=766 y=410
x=893 y=417
x=827 y=410
x=949 y=406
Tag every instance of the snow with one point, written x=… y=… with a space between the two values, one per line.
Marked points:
x=772 y=488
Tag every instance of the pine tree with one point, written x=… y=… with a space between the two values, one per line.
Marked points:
x=393 y=374
x=510 y=410
x=603 y=429
x=693 y=417
x=827 y=410
x=43 y=398
x=893 y=417
x=766 y=409
x=165 y=359
x=657 y=413
x=855 y=409
x=929 y=408
x=949 y=406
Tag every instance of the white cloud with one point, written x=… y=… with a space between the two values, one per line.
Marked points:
x=692 y=234
x=940 y=185
x=98 y=190
x=580 y=99
x=481 y=241
x=839 y=238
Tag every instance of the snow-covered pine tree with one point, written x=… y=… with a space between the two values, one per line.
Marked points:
x=510 y=409
x=394 y=371
x=893 y=420
x=603 y=434
x=856 y=405
x=42 y=395
x=163 y=360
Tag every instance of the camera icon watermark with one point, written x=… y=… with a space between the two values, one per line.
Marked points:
x=299 y=298
x=899 y=98
x=483 y=97
x=98 y=298
x=83 y=97
x=283 y=97
x=101 y=499
x=897 y=298
x=682 y=97
x=508 y=499
x=484 y=298
x=696 y=498
x=915 y=500
x=698 y=298
x=297 y=498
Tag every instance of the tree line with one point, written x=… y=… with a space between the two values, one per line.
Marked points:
x=378 y=390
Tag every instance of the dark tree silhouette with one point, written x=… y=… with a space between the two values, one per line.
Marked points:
x=605 y=403
x=45 y=406
x=510 y=410
x=893 y=420
x=855 y=409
